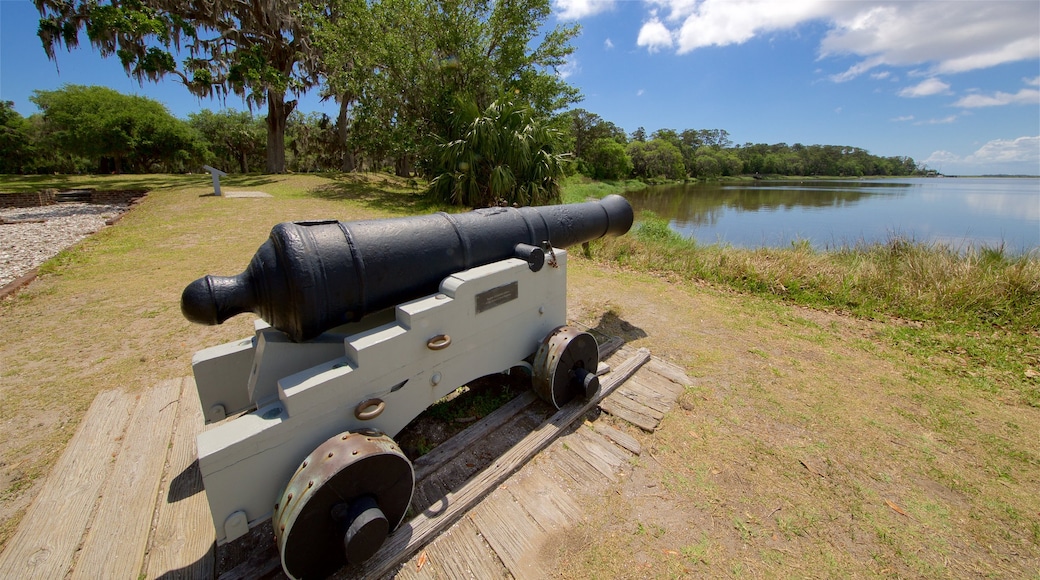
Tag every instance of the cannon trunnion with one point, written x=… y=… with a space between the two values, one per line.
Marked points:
x=336 y=372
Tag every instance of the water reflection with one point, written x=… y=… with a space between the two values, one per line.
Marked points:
x=834 y=213
x=704 y=204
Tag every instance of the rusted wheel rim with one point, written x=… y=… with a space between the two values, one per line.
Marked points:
x=563 y=361
x=347 y=471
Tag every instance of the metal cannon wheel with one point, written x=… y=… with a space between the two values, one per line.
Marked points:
x=342 y=502
x=565 y=366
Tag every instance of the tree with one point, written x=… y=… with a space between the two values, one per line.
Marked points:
x=257 y=49
x=500 y=155
x=656 y=158
x=608 y=160
x=313 y=143
x=400 y=66
x=236 y=138
x=16 y=141
x=117 y=131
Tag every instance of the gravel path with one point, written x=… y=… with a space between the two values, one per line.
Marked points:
x=29 y=236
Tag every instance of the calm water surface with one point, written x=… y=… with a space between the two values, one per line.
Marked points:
x=960 y=212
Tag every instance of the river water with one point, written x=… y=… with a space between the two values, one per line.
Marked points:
x=959 y=212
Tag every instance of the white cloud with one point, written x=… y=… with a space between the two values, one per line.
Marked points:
x=880 y=76
x=724 y=22
x=926 y=88
x=942 y=121
x=1033 y=82
x=654 y=35
x=1018 y=156
x=608 y=44
x=577 y=9
x=569 y=68
x=1009 y=151
x=944 y=37
x=951 y=36
x=997 y=99
x=640 y=92
x=903 y=119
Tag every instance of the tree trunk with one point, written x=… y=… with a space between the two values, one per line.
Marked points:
x=347 y=162
x=278 y=111
x=403 y=166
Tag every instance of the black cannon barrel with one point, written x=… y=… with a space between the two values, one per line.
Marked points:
x=313 y=276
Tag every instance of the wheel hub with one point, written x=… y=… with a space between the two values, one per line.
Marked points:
x=565 y=366
x=341 y=503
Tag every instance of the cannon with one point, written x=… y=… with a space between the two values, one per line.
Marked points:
x=362 y=326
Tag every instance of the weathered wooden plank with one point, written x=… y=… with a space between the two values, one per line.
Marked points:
x=509 y=531
x=470 y=436
x=421 y=529
x=610 y=346
x=461 y=552
x=182 y=545
x=646 y=396
x=620 y=437
x=669 y=389
x=429 y=496
x=574 y=467
x=51 y=531
x=622 y=411
x=670 y=372
x=115 y=544
x=545 y=501
x=617 y=456
x=264 y=563
x=635 y=405
x=604 y=465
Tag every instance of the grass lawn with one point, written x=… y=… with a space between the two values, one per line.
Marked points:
x=816 y=441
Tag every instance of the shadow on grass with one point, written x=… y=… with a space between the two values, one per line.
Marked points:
x=379 y=192
x=610 y=324
x=249 y=180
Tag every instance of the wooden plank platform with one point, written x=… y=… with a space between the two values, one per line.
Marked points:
x=121 y=501
x=126 y=500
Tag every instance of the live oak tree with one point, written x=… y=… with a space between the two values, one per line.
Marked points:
x=257 y=49
x=116 y=131
x=16 y=140
x=399 y=68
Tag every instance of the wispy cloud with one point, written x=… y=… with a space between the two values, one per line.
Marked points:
x=608 y=44
x=569 y=68
x=942 y=121
x=640 y=92
x=903 y=119
x=926 y=88
x=942 y=37
x=1022 y=153
x=998 y=99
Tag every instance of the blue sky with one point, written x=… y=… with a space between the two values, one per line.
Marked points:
x=953 y=84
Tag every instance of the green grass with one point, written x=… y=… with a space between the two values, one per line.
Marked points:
x=579 y=188
x=912 y=281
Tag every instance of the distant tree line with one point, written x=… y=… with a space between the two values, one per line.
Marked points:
x=95 y=129
x=605 y=151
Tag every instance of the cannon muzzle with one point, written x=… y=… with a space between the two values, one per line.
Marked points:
x=313 y=276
